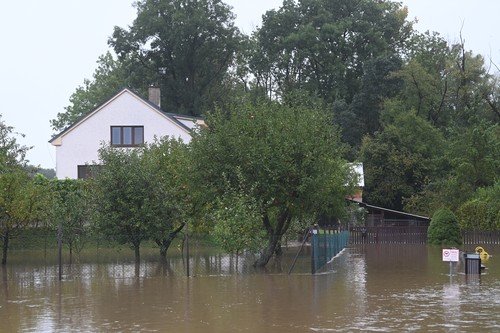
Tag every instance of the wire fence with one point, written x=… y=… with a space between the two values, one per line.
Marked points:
x=34 y=253
x=325 y=246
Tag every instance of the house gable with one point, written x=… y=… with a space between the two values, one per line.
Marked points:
x=79 y=144
x=57 y=139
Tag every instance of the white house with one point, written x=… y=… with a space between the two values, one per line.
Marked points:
x=126 y=120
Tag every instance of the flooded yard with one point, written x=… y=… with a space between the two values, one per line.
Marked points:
x=383 y=288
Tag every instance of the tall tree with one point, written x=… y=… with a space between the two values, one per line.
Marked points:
x=110 y=76
x=322 y=46
x=399 y=159
x=188 y=46
x=284 y=160
x=12 y=153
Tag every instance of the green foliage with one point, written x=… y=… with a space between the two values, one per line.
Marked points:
x=71 y=210
x=142 y=194
x=171 y=204
x=323 y=46
x=444 y=229
x=470 y=162
x=121 y=192
x=483 y=211
x=110 y=76
x=399 y=159
x=286 y=159
x=22 y=199
x=237 y=223
x=188 y=47
x=12 y=154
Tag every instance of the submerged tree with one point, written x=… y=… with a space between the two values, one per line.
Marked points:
x=141 y=194
x=121 y=189
x=285 y=160
x=171 y=203
x=71 y=210
x=22 y=201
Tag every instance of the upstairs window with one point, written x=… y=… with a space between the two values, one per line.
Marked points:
x=127 y=136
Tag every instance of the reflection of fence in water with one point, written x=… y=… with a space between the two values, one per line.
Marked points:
x=325 y=246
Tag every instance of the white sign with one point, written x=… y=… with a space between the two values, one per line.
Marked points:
x=450 y=255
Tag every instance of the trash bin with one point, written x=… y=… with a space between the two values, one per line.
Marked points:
x=472 y=263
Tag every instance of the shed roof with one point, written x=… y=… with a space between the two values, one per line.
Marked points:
x=364 y=204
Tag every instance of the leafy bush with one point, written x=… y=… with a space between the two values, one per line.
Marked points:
x=483 y=211
x=444 y=228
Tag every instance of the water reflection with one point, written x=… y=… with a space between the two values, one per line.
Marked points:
x=367 y=288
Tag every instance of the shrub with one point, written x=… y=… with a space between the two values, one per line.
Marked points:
x=444 y=228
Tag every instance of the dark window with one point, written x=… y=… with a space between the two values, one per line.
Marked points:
x=127 y=135
x=87 y=171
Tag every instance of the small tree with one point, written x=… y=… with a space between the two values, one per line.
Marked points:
x=142 y=194
x=121 y=190
x=444 y=228
x=21 y=199
x=171 y=201
x=70 y=209
x=23 y=202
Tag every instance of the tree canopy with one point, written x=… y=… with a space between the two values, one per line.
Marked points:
x=285 y=159
x=141 y=194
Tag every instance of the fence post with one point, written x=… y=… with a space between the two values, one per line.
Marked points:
x=59 y=249
x=187 y=250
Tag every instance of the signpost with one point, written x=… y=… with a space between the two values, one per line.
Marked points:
x=451 y=255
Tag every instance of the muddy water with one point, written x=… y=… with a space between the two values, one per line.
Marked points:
x=371 y=288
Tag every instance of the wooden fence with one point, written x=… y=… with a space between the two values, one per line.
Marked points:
x=414 y=235
x=481 y=237
x=388 y=235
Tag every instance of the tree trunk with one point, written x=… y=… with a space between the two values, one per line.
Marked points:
x=137 y=252
x=70 y=253
x=278 y=251
x=268 y=252
x=5 y=247
x=275 y=235
x=164 y=244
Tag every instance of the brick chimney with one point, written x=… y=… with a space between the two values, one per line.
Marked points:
x=154 y=95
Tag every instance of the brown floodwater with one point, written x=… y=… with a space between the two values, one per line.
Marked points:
x=378 y=288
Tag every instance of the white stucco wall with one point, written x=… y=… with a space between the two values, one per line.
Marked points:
x=79 y=146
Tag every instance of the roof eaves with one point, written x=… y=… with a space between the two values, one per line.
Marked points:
x=83 y=116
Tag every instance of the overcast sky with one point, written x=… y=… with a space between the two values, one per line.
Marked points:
x=50 y=46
